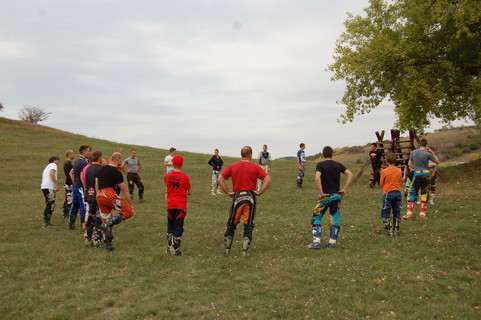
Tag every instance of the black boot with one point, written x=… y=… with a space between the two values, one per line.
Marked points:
x=107 y=227
x=71 y=224
x=176 y=246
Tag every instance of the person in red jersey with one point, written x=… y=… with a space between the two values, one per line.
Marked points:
x=178 y=188
x=244 y=175
x=107 y=178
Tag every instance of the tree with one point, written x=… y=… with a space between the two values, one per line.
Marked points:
x=423 y=55
x=33 y=114
x=1 y=106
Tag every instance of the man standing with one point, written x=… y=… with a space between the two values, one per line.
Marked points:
x=49 y=187
x=93 y=221
x=328 y=181
x=216 y=163
x=264 y=162
x=301 y=164
x=133 y=177
x=376 y=162
x=419 y=162
x=78 y=201
x=107 y=178
x=67 y=166
x=169 y=166
x=244 y=175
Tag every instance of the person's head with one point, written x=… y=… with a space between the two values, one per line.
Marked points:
x=302 y=146
x=373 y=146
x=391 y=158
x=172 y=151
x=120 y=150
x=178 y=162
x=246 y=152
x=327 y=152
x=84 y=150
x=264 y=147
x=116 y=158
x=53 y=159
x=216 y=152
x=133 y=153
x=96 y=156
x=423 y=142
x=70 y=154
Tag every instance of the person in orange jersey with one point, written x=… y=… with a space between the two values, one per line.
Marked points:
x=391 y=181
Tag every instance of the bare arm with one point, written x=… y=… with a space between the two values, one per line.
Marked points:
x=71 y=174
x=350 y=178
x=265 y=185
x=54 y=179
x=126 y=193
x=223 y=186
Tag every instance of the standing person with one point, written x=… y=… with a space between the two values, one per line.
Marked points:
x=433 y=167
x=376 y=162
x=93 y=235
x=178 y=188
x=391 y=181
x=78 y=201
x=328 y=181
x=107 y=178
x=419 y=161
x=216 y=163
x=264 y=162
x=67 y=166
x=133 y=177
x=169 y=167
x=49 y=187
x=244 y=175
x=301 y=165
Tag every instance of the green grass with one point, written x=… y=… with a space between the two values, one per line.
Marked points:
x=431 y=272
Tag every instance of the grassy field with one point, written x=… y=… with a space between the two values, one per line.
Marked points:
x=431 y=272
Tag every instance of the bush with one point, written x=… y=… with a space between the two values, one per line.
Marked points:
x=33 y=114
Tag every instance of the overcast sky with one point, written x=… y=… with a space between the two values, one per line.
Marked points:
x=196 y=75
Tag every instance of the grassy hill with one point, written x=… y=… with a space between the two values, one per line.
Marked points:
x=431 y=272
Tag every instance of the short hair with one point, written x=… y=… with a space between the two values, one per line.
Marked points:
x=423 y=142
x=172 y=149
x=83 y=148
x=302 y=145
x=216 y=150
x=374 y=144
x=95 y=155
x=133 y=150
x=69 y=152
x=246 y=151
x=391 y=158
x=119 y=150
x=116 y=155
x=327 y=152
x=52 y=159
x=265 y=145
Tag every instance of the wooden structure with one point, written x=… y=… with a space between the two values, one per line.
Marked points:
x=400 y=147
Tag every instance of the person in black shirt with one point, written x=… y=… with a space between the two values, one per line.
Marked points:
x=216 y=163
x=67 y=166
x=93 y=234
x=78 y=201
x=328 y=179
x=376 y=162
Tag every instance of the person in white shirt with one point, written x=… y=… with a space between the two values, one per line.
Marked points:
x=168 y=160
x=49 y=189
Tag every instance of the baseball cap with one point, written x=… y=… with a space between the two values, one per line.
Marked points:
x=178 y=161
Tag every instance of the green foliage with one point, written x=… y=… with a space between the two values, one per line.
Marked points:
x=423 y=55
x=430 y=272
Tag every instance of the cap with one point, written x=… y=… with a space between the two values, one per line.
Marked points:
x=53 y=158
x=178 y=161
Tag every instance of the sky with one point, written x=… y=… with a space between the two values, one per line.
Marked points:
x=194 y=75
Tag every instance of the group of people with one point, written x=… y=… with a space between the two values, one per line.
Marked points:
x=420 y=177
x=96 y=186
x=92 y=189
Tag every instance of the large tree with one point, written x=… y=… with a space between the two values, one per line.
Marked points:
x=423 y=55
